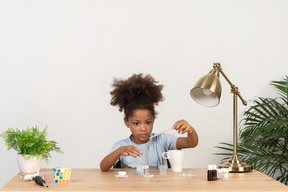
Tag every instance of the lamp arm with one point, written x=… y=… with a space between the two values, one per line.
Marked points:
x=234 y=89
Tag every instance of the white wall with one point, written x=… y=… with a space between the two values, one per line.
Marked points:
x=58 y=59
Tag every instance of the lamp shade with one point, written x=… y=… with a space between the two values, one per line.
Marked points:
x=207 y=90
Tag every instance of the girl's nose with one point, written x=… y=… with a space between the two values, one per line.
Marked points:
x=143 y=128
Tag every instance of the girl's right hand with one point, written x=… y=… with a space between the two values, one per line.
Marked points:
x=130 y=150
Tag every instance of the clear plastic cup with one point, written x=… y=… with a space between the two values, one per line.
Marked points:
x=163 y=169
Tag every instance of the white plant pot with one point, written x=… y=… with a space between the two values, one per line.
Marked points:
x=28 y=164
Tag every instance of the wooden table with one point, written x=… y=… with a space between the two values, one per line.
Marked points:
x=95 y=180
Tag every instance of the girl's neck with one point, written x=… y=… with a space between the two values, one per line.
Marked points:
x=132 y=138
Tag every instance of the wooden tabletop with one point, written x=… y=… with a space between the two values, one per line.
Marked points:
x=95 y=180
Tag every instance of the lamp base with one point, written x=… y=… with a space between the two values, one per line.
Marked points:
x=236 y=165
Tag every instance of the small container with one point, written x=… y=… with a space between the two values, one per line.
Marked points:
x=163 y=169
x=163 y=166
x=219 y=173
x=225 y=174
x=214 y=172
x=146 y=170
x=209 y=173
x=121 y=173
x=139 y=169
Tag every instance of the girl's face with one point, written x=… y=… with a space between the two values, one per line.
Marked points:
x=141 y=125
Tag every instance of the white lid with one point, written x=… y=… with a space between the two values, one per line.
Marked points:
x=214 y=166
x=121 y=172
x=210 y=167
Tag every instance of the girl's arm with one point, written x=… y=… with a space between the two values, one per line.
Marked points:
x=191 y=140
x=112 y=158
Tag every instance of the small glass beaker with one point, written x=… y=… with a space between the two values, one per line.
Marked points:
x=146 y=170
x=139 y=169
x=163 y=169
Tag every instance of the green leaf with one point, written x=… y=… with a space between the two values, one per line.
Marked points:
x=264 y=135
x=30 y=141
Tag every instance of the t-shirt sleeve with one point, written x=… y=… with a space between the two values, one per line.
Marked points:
x=123 y=142
x=116 y=146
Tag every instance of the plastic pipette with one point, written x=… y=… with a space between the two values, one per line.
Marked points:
x=161 y=132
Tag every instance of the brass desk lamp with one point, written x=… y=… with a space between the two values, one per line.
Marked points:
x=207 y=92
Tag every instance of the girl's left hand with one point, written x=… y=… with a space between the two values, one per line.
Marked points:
x=182 y=127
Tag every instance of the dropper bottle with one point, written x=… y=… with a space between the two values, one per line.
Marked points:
x=209 y=173
x=214 y=172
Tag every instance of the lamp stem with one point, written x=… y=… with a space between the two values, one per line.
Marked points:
x=235 y=164
x=235 y=131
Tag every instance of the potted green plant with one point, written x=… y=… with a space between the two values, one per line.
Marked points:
x=264 y=135
x=31 y=145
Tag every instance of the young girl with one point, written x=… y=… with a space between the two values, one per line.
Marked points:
x=137 y=96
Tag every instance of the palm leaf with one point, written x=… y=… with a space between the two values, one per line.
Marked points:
x=282 y=87
x=264 y=135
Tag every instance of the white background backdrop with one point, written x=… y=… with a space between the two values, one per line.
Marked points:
x=58 y=59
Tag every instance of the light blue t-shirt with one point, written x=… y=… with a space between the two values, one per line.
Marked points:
x=157 y=145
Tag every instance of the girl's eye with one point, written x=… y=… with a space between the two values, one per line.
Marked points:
x=149 y=122
x=136 y=123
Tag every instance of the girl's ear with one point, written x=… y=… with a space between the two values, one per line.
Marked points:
x=126 y=122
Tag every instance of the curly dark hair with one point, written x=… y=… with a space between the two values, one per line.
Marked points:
x=136 y=92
